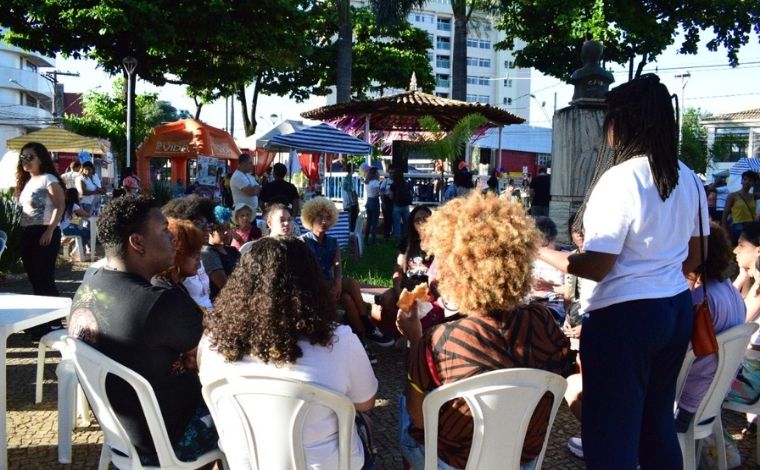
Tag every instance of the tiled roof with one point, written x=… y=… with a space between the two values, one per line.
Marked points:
x=747 y=115
x=403 y=111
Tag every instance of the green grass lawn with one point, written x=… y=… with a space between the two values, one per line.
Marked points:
x=375 y=267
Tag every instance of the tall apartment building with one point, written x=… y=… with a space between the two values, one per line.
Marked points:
x=26 y=96
x=492 y=77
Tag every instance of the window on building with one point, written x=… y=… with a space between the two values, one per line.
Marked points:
x=444 y=24
x=484 y=99
x=730 y=144
x=443 y=62
x=509 y=64
x=473 y=43
x=484 y=44
x=471 y=98
x=30 y=66
x=506 y=101
x=421 y=18
x=442 y=80
x=443 y=43
x=472 y=80
x=483 y=81
x=442 y=95
x=484 y=62
x=472 y=61
x=508 y=82
x=755 y=143
x=30 y=100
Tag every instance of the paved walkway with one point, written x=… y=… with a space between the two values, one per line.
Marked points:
x=33 y=428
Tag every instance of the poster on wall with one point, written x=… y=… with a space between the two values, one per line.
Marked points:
x=207 y=170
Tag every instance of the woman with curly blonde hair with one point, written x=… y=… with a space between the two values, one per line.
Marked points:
x=273 y=318
x=318 y=215
x=484 y=249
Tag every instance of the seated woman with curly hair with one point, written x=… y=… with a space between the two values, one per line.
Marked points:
x=273 y=318
x=484 y=249
x=318 y=215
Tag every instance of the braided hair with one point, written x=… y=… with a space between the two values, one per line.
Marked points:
x=641 y=122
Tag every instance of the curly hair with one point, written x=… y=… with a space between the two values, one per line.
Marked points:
x=317 y=206
x=273 y=298
x=719 y=255
x=485 y=248
x=188 y=241
x=46 y=166
x=190 y=207
x=120 y=218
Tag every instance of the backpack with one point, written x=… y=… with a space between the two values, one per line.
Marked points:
x=402 y=196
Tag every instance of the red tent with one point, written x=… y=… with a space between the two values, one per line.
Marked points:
x=180 y=141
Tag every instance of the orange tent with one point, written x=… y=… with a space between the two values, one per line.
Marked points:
x=180 y=141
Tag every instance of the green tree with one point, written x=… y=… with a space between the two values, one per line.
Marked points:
x=634 y=32
x=729 y=147
x=104 y=116
x=694 y=140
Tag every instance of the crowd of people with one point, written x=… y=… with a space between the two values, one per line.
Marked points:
x=179 y=304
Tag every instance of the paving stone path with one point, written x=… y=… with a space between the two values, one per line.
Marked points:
x=33 y=428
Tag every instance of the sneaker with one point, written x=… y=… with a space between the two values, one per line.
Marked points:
x=377 y=337
x=575 y=445
x=370 y=355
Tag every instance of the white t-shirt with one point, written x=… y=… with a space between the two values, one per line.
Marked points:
x=721 y=193
x=198 y=288
x=372 y=189
x=342 y=368
x=66 y=220
x=89 y=185
x=35 y=201
x=626 y=216
x=238 y=181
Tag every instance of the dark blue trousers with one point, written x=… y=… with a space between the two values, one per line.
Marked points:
x=631 y=354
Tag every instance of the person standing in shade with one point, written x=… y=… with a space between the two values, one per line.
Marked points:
x=70 y=177
x=741 y=205
x=372 y=206
x=540 y=193
x=39 y=192
x=401 y=194
x=280 y=191
x=350 y=198
x=386 y=204
x=243 y=183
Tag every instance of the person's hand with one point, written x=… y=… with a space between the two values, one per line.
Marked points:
x=409 y=325
x=190 y=359
x=572 y=331
x=335 y=291
x=542 y=285
x=46 y=237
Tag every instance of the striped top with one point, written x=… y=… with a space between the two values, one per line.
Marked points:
x=527 y=336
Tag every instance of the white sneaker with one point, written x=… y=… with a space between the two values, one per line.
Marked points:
x=575 y=445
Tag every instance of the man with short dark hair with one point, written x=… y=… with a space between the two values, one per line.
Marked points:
x=245 y=189
x=540 y=187
x=280 y=191
x=151 y=330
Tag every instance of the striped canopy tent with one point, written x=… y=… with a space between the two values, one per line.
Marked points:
x=56 y=139
x=745 y=164
x=320 y=138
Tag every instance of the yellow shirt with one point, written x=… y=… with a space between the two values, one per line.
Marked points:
x=743 y=211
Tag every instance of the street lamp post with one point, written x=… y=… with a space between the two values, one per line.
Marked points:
x=130 y=64
x=684 y=80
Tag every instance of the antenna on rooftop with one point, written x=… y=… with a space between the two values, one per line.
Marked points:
x=413 y=82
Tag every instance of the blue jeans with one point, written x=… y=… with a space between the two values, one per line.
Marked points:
x=373 y=216
x=400 y=215
x=414 y=452
x=74 y=230
x=632 y=353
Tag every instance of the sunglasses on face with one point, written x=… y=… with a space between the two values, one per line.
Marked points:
x=202 y=224
x=27 y=157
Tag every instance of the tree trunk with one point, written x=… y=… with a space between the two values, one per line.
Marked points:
x=345 y=40
x=198 y=107
x=640 y=68
x=247 y=125
x=459 y=52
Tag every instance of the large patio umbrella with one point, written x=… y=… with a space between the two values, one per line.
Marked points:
x=182 y=140
x=403 y=111
x=56 y=139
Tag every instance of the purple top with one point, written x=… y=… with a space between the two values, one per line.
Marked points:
x=728 y=310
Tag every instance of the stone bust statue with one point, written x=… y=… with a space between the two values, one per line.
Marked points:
x=591 y=81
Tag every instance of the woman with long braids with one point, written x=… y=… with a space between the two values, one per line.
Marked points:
x=641 y=226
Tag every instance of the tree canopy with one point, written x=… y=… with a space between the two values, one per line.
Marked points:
x=694 y=140
x=633 y=32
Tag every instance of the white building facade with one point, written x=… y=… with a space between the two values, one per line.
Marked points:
x=26 y=96
x=491 y=75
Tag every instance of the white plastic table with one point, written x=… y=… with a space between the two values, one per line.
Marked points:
x=19 y=312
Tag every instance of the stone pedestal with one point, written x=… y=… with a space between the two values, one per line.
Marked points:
x=576 y=138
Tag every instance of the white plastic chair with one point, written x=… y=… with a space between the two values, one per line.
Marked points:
x=731 y=346
x=359 y=232
x=749 y=408
x=246 y=247
x=270 y=414
x=502 y=403
x=92 y=368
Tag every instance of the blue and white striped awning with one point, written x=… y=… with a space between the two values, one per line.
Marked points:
x=319 y=138
x=745 y=164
